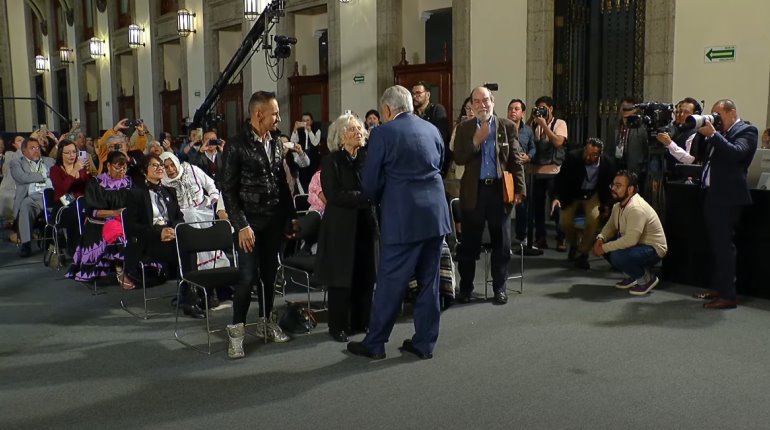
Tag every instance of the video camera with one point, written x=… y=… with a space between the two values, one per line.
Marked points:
x=655 y=116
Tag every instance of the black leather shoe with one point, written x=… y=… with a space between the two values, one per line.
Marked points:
x=501 y=298
x=464 y=298
x=408 y=346
x=358 y=348
x=339 y=336
x=25 y=250
x=581 y=262
x=193 y=311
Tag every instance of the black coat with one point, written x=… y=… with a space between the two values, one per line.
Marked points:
x=569 y=181
x=348 y=222
x=254 y=188
x=143 y=238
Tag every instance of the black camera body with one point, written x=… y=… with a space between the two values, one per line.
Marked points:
x=492 y=86
x=133 y=122
x=655 y=116
x=540 y=112
x=215 y=142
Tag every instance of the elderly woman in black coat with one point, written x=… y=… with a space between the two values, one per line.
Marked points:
x=345 y=259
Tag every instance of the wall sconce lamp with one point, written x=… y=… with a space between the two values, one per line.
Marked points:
x=135 y=34
x=185 y=22
x=41 y=63
x=253 y=8
x=65 y=55
x=344 y=1
x=96 y=48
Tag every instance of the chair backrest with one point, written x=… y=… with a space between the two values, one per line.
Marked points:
x=454 y=209
x=80 y=208
x=301 y=203
x=201 y=236
x=309 y=227
x=48 y=206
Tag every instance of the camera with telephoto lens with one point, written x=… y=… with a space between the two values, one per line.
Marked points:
x=655 y=116
x=540 y=112
x=698 y=121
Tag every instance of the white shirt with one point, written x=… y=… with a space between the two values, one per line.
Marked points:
x=682 y=155
x=310 y=138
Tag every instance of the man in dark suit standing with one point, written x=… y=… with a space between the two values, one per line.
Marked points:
x=732 y=145
x=402 y=175
x=486 y=146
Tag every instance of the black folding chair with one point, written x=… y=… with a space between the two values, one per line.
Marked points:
x=301 y=264
x=301 y=203
x=52 y=227
x=203 y=236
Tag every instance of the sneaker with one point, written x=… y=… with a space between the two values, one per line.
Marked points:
x=274 y=332
x=626 y=283
x=235 y=335
x=642 y=289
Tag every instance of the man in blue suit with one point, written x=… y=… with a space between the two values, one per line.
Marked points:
x=731 y=147
x=402 y=175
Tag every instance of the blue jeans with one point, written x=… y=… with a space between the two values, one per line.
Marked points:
x=634 y=261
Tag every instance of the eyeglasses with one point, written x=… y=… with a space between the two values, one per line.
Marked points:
x=119 y=166
x=156 y=166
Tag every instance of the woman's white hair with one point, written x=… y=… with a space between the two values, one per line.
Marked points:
x=339 y=126
x=398 y=98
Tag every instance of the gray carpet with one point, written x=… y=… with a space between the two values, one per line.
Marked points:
x=571 y=352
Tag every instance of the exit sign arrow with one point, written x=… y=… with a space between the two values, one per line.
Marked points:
x=719 y=54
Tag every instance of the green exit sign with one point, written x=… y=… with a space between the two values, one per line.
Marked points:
x=359 y=79
x=719 y=54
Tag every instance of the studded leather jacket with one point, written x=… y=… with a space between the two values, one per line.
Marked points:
x=254 y=188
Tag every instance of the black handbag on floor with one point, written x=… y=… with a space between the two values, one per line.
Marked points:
x=297 y=319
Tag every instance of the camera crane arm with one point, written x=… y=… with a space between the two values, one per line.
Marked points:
x=253 y=40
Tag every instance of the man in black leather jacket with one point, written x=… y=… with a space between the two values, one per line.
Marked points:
x=259 y=206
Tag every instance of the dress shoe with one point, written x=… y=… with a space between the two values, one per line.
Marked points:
x=464 y=297
x=408 y=346
x=721 y=304
x=706 y=295
x=339 y=336
x=501 y=298
x=193 y=311
x=25 y=250
x=358 y=348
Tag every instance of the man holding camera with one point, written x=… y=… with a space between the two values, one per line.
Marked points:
x=680 y=135
x=486 y=146
x=207 y=157
x=114 y=139
x=550 y=142
x=731 y=145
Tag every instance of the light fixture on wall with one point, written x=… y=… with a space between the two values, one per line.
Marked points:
x=135 y=34
x=96 y=48
x=344 y=1
x=41 y=63
x=185 y=22
x=253 y=8
x=65 y=55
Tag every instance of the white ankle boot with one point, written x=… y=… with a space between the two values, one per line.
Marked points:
x=235 y=333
